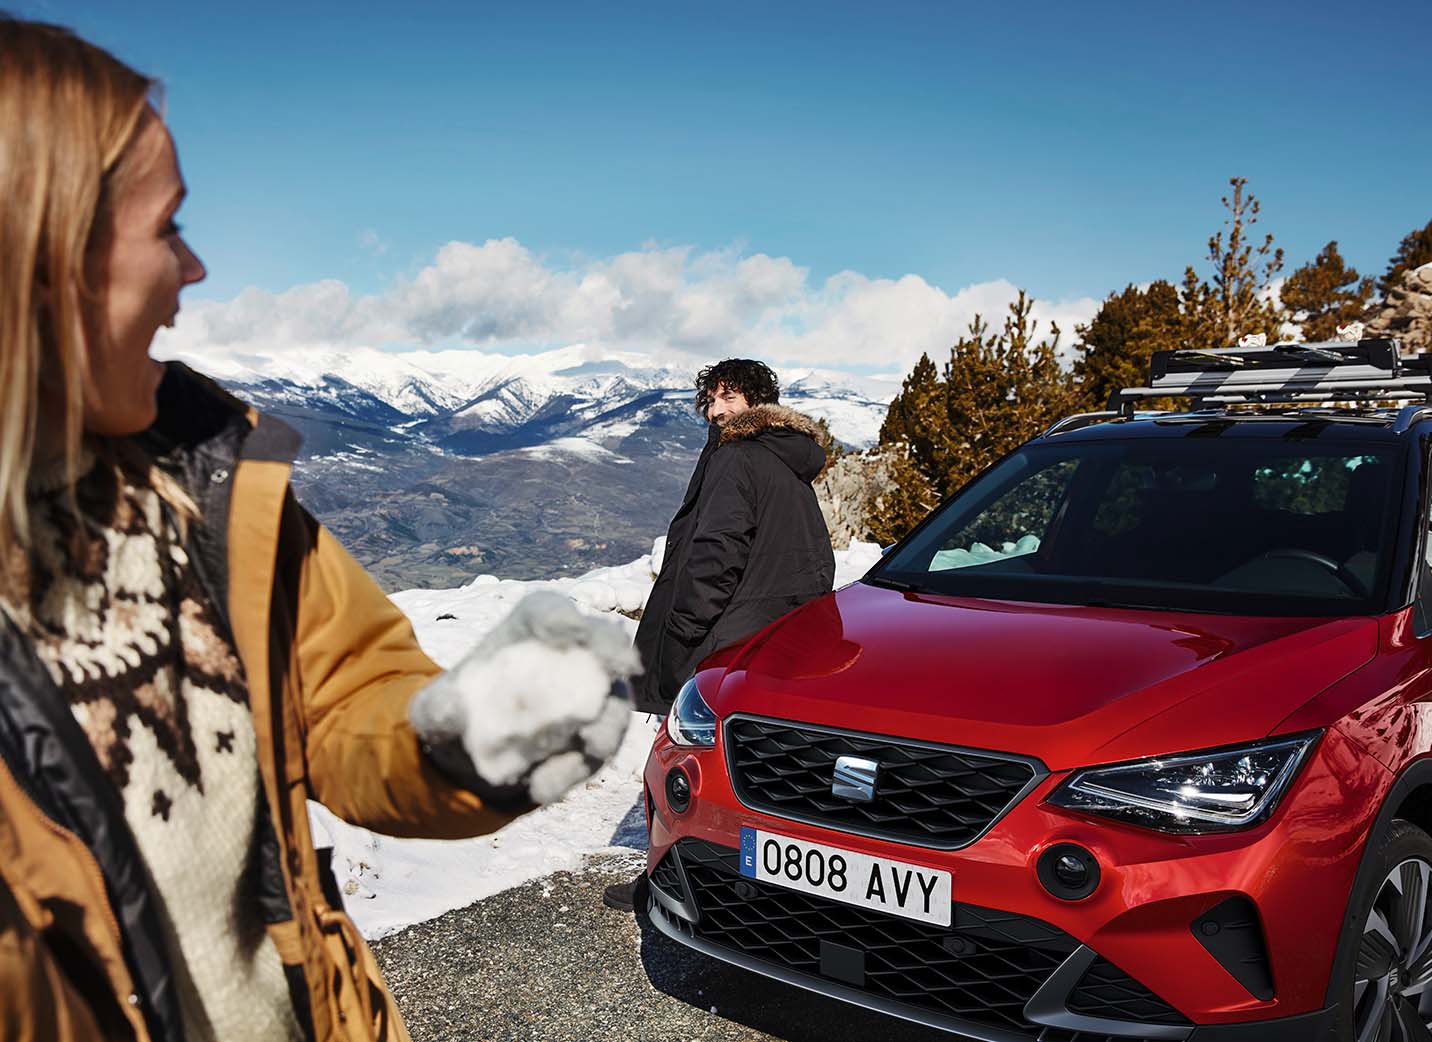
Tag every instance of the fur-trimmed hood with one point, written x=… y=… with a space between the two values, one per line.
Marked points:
x=769 y=417
x=792 y=436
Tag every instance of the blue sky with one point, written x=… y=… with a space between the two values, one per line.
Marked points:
x=1066 y=148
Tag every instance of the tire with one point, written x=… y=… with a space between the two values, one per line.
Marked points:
x=1386 y=994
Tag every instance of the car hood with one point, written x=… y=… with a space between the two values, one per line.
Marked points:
x=1071 y=685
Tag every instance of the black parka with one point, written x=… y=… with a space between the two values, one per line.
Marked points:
x=747 y=545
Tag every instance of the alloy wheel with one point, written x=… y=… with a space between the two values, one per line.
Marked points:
x=1392 y=982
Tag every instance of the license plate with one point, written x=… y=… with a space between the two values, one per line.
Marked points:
x=882 y=883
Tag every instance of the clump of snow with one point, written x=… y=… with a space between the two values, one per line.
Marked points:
x=543 y=675
x=391 y=883
x=524 y=702
x=851 y=564
x=596 y=594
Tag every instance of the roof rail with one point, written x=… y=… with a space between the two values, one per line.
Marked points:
x=1083 y=419
x=1364 y=370
x=1409 y=415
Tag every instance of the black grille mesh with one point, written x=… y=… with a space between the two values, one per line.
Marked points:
x=1003 y=958
x=1107 y=991
x=667 y=878
x=930 y=796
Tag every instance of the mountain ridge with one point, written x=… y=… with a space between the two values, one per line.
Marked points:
x=433 y=466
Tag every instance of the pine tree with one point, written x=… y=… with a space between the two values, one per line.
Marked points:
x=831 y=446
x=1200 y=325
x=1001 y=390
x=1325 y=293
x=1414 y=251
x=1237 y=300
x=903 y=501
x=908 y=420
x=996 y=391
x=1115 y=347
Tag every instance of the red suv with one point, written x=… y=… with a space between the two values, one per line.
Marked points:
x=1128 y=740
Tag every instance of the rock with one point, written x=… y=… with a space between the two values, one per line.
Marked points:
x=846 y=491
x=1407 y=311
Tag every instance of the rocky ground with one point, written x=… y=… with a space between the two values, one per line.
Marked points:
x=548 y=962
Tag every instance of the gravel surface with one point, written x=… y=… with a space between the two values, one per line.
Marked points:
x=548 y=962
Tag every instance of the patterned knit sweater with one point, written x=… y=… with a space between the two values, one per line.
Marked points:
x=133 y=644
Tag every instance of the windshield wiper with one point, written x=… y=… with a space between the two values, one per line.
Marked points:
x=1100 y=602
x=891 y=584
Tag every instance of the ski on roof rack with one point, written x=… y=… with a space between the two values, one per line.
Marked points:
x=1334 y=370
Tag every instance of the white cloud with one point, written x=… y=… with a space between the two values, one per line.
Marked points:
x=501 y=296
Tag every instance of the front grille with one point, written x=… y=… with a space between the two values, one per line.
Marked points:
x=983 y=968
x=1107 y=991
x=929 y=795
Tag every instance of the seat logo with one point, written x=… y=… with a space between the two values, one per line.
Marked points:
x=855 y=779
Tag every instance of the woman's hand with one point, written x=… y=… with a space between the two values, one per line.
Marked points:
x=539 y=704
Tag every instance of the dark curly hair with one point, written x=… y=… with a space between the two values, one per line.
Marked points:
x=752 y=378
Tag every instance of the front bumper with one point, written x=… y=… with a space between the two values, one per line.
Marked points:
x=1025 y=966
x=1010 y=979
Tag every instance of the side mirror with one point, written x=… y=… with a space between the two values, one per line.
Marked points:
x=886 y=549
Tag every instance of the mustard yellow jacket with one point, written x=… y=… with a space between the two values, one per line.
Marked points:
x=331 y=666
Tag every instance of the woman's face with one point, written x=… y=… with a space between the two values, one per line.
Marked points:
x=137 y=265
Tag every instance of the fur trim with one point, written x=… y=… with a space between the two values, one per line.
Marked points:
x=760 y=418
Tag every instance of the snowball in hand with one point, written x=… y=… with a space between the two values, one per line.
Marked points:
x=538 y=703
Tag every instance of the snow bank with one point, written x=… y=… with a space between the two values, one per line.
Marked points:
x=389 y=884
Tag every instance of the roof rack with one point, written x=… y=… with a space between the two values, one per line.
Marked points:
x=1344 y=371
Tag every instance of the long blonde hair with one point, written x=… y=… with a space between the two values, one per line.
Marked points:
x=69 y=113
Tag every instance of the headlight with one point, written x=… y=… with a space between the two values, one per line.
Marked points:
x=691 y=721
x=1216 y=791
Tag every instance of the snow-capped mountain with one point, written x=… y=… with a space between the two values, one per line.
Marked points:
x=431 y=466
x=473 y=403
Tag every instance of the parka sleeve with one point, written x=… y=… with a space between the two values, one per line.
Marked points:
x=720 y=547
x=359 y=665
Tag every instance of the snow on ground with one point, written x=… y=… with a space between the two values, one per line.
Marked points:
x=392 y=883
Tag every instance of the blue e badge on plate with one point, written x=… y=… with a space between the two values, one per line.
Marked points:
x=748 y=851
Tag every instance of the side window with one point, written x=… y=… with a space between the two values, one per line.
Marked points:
x=1013 y=525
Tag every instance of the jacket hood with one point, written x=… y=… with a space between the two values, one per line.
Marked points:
x=794 y=437
x=1072 y=685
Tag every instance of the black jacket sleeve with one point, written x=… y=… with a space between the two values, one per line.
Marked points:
x=720 y=547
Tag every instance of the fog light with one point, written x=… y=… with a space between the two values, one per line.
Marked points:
x=678 y=790
x=1072 y=872
x=1068 y=871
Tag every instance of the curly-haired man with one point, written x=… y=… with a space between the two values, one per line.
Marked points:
x=747 y=544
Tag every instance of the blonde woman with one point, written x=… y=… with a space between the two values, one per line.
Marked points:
x=185 y=654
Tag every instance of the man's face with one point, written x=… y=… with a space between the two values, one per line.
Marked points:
x=725 y=403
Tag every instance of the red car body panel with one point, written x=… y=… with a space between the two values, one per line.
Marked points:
x=1080 y=686
x=1050 y=681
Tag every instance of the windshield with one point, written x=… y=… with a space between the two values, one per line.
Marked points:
x=1245 y=526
